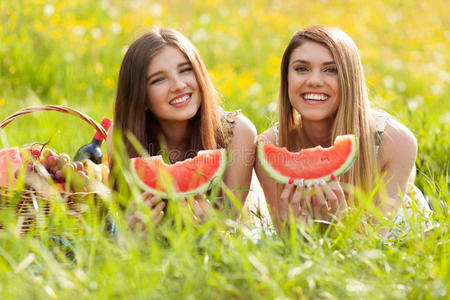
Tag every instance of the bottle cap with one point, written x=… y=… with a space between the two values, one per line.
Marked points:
x=106 y=124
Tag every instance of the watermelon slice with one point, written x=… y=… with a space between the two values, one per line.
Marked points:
x=309 y=164
x=10 y=162
x=188 y=177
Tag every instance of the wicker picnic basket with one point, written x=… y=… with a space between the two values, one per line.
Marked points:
x=33 y=209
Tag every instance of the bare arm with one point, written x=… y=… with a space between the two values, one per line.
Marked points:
x=242 y=153
x=397 y=155
x=268 y=185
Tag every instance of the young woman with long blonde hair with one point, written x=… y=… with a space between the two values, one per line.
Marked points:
x=323 y=94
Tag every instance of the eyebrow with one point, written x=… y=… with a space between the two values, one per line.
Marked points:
x=307 y=62
x=180 y=65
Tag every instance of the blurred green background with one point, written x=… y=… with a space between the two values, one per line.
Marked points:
x=69 y=52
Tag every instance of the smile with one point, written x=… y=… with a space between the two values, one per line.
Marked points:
x=315 y=96
x=180 y=100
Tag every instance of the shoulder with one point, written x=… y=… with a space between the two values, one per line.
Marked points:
x=243 y=128
x=268 y=136
x=397 y=143
x=243 y=123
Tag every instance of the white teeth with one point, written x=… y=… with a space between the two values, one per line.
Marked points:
x=179 y=100
x=317 y=97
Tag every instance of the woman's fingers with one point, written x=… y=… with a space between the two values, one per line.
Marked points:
x=158 y=209
x=296 y=198
x=146 y=195
x=158 y=217
x=284 y=200
x=322 y=203
x=340 y=207
x=331 y=197
x=200 y=208
x=154 y=204
x=152 y=201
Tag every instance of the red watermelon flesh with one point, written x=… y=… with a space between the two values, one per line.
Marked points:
x=309 y=164
x=10 y=162
x=187 y=177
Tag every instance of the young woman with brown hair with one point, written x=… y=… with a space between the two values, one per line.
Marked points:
x=164 y=92
x=323 y=94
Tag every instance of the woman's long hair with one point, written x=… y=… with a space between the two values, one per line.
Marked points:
x=353 y=116
x=130 y=114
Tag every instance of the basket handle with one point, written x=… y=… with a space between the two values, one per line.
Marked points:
x=60 y=108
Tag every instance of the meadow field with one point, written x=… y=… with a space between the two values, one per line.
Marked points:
x=69 y=53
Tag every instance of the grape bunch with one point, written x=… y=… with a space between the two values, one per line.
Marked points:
x=45 y=163
x=59 y=166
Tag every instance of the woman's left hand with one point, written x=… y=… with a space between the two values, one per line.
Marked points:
x=326 y=201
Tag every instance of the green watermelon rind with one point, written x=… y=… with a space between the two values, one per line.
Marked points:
x=201 y=189
x=327 y=177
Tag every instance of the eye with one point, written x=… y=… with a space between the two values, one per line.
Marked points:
x=301 y=69
x=156 y=80
x=331 y=70
x=186 y=69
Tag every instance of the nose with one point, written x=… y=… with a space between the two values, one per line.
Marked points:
x=177 y=84
x=315 y=78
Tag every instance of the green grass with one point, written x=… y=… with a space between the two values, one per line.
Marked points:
x=69 y=52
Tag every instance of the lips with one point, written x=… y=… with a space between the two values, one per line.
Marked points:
x=180 y=100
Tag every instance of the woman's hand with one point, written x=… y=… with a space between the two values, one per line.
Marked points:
x=326 y=201
x=320 y=202
x=156 y=206
x=291 y=201
x=199 y=207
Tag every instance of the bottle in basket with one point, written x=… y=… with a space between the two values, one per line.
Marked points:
x=93 y=150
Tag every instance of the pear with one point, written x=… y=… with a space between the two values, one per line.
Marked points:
x=94 y=170
x=105 y=173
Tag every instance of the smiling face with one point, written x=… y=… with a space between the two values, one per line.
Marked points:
x=313 y=84
x=173 y=93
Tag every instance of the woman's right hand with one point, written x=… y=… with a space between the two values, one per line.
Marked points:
x=294 y=204
x=156 y=206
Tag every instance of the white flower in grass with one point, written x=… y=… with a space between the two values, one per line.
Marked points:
x=49 y=10
x=69 y=56
x=116 y=28
x=436 y=89
x=204 y=19
x=355 y=286
x=388 y=81
x=79 y=30
x=200 y=35
x=156 y=10
x=401 y=86
x=415 y=102
x=254 y=89
x=96 y=33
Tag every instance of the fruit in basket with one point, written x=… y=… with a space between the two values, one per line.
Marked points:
x=309 y=164
x=105 y=174
x=10 y=163
x=191 y=176
x=94 y=170
x=43 y=166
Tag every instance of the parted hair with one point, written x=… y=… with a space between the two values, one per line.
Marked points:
x=131 y=115
x=353 y=116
